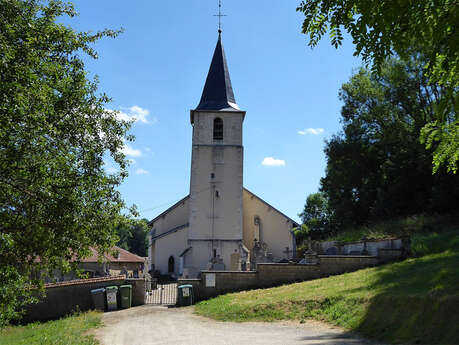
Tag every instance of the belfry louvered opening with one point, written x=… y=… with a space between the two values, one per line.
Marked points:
x=218 y=129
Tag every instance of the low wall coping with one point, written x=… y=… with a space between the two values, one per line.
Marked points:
x=84 y=281
x=189 y=279
x=339 y=243
x=135 y=279
x=286 y=264
x=245 y=272
x=348 y=256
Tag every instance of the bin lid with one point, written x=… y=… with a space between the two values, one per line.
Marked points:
x=101 y=290
x=185 y=286
x=126 y=287
x=111 y=288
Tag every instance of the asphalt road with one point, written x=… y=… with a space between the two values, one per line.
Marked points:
x=153 y=325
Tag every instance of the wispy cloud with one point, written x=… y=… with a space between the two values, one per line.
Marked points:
x=134 y=113
x=141 y=172
x=273 y=162
x=130 y=151
x=313 y=131
x=111 y=170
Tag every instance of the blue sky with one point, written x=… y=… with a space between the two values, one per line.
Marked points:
x=156 y=71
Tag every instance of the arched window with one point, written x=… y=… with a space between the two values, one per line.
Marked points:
x=218 y=129
x=171 y=265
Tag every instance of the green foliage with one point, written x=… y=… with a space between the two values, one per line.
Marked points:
x=301 y=233
x=317 y=217
x=67 y=331
x=56 y=199
x=413 y=301
x=133 y=236
x=381 y=28
x=377 y=168
x=414 y=226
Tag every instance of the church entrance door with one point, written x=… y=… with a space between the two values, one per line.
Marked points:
x=171 y=264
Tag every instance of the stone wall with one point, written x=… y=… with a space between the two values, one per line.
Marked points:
x=66 y=297
x=371 y=247
x=214 y=283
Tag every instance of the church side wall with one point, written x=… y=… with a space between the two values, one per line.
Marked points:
x=174 y=218
x=275 y=228
x=171 y=245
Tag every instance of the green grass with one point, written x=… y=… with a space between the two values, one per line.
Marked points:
x=71 y=330
x=414 y=301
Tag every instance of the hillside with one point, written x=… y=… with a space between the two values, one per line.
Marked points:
x=414 y=301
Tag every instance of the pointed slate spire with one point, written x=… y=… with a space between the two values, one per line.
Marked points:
x=218 y=92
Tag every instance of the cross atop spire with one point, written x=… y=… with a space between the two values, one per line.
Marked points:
x=219 y=15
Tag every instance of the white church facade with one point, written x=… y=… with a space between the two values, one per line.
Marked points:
x=220 y=225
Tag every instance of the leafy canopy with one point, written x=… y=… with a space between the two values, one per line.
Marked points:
x=132 y=235
x=377 y=168
x=56 y=199
x=381 y=28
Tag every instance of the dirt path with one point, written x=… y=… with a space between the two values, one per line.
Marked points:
x=148 y=325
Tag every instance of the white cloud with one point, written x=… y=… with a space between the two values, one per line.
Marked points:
x=129 y=151
x=313 y=131
x=141 y=172
x=134 y=113
x=272 y=162
x=139 y=114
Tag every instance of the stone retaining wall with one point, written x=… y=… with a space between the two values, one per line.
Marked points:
x=67 y=297
x=274 y=274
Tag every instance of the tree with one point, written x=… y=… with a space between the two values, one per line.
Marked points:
x=381 y=28
x=56 y=199
x=377 y=168
x=316 y=216
x=133 y=236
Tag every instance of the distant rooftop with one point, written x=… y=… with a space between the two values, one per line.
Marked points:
x=123 y=256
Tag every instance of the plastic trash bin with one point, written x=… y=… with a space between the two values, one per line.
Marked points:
x=98 y=298
x=185 y=295
x=111 y=292
x=126 y=296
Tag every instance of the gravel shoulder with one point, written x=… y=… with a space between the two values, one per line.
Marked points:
x=148 y=325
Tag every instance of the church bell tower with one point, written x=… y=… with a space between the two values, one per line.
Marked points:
x=215 y=219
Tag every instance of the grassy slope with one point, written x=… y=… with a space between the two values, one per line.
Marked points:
x=416 y=225
x=66 y=331
x=414 y=301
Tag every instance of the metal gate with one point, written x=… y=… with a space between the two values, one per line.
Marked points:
x=161 y=293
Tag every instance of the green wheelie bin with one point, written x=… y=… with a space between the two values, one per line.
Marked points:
x=98 y=298
x=111 y=292
x=126 y=296
x=185 y=295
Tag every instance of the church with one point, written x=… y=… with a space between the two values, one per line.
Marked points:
x=219 y=225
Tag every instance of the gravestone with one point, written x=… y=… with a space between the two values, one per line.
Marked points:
x=310 y=256
x=331 y=251
x=235 y=261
